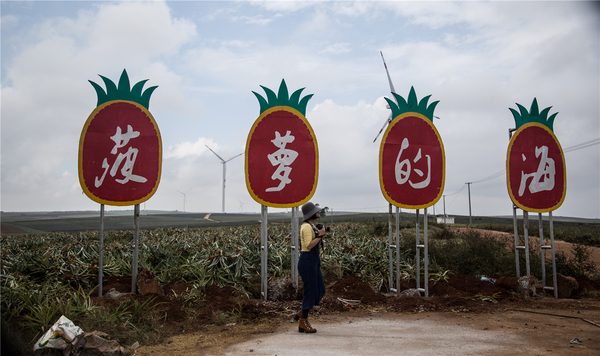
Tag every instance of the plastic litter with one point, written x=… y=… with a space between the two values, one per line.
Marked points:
x=576 y=341
x=350 y=303
x=66 y=336
x=487 y=279
x=59 y=336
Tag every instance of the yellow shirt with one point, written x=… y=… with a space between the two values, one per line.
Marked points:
x=307 y=234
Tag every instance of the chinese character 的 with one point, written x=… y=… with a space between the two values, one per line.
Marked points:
x=403 y=169
x=121 y=140
x=282 y=158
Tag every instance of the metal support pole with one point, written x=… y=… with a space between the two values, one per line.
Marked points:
x=390 y=253
x=426 y=257
x=526 y=236
x=554 y=277
x=295 y=247
x=397 y=251
x=542 y=248
x=264 y=245
x=418 y=257
x=470 y=218
x=101 y=251
x=516 y=229
x=444 y=199
x=136 y=234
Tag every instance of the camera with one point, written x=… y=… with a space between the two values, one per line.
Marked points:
x=320 y=226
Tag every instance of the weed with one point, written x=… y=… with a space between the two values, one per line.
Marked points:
x=493 y=298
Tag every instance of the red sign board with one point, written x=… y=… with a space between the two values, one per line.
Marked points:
x=282 y=161
x=412 y=162
x=535 y=166
x=120 y=154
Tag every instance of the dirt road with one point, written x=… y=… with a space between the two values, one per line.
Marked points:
x=559 y=246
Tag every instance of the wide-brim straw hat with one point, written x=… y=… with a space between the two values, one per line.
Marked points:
x=308 y=210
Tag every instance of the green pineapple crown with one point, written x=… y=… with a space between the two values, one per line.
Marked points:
x=412 y=105
x=282 y=99
x=123 y=91
x=533 y=115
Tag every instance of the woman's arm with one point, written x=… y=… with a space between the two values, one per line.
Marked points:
x=317 y=239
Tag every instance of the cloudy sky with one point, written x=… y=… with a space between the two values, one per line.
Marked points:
x=477 y=58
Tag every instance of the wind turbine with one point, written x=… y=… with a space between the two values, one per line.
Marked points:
x=241 y=205
x=224 y=162
x=184 y=199
x=389 y=119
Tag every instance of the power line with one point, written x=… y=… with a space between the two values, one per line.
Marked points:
x=580 y=146
x=583 y=145
x=495 y=175
x=457 y=194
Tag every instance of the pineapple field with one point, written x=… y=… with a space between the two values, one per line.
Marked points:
x=210 y=279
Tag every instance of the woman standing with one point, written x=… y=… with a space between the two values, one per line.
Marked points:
x=309 y=265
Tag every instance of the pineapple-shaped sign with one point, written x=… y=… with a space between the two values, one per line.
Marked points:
x=120 y=149
x=535 y=164
x=282 y=157
x=411 y=156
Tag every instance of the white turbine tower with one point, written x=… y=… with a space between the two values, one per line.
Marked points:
x=224 y=162
x=184 y=198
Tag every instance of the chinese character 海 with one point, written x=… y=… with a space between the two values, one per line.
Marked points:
x=403 y=169
x=121 y=140
x=543 y=178
x=282 y=158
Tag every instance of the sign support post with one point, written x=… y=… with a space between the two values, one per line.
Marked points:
x=294 y=247
x=426 y=248
x=397 y=251
x=390 y=249
x=101 y=251
x=136 y=234
x=554 y=277
x=264 y=246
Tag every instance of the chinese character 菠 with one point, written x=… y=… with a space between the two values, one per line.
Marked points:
x=121 y=140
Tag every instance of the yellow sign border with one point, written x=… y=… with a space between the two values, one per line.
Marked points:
x=395 y=121
x=80 y=156
x=510 y=192
x=250 y=134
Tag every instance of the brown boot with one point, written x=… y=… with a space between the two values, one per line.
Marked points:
x=304 y=327
x=298 y=315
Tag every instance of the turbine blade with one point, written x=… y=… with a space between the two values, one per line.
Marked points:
x=388 y=74
x=222 y=160
x=387 y=121
x=234 y=157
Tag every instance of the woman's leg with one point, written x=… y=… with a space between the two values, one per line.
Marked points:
x=309 y=273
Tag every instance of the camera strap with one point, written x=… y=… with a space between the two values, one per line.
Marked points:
x=317 y=235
